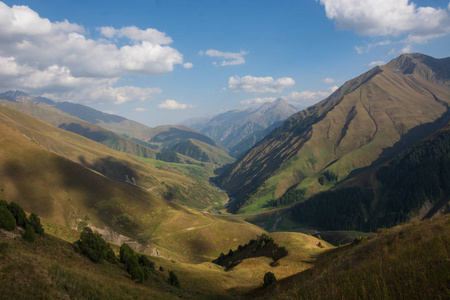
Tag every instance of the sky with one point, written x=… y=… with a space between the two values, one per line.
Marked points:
x=165 y=61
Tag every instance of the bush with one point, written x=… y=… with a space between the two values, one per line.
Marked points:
x=320 y=245
x=131 y=262
x=29 y=235
x=111 y=256
x=269 y=278
x=173 y=279
x=93 y=245
x=18 y=213
x=35 y=222
x=161 y=268
x=7 y=221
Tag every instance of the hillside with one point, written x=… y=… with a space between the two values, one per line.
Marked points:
x=55 y=117
x=365 y=122
x=180 y=183
x=406 y=262
x=95 y=123
x=233 y=127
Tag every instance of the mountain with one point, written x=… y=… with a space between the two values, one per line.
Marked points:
x=235 y=126
x=367 y=121
x=121 y=134
x=57 y=118
x=19 y=96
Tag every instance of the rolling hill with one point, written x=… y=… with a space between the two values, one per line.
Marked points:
x=367 y=121
x=178 y=182
x=91 y=123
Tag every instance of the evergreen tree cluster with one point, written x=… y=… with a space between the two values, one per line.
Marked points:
x=139 y=266
x=327 y=176
x=264 y=245
x=291 y=196
x=13 y=215
x=188 y=148
x=95 y=247
x=420 y=173
x=168 y=156
x=343 y=209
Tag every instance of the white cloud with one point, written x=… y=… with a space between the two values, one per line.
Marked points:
x=229 y=58
x=307 y=98
x=59 y=58
x=258 y=100
x=259 y=85
x=172 y=104
x=329 y=80
x=389 y=18
x=188 y=65
x=368 y=46
x=376 y=63
x=140 y=109
x=133 y=33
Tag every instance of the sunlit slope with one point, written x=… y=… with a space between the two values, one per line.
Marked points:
x=69 y=194
x=57 y=118
x=163 y=179
x=406 y=262
x=368 y=119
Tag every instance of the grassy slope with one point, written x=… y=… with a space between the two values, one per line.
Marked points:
x=60 y=119
x=160 y=179
x=51 y=268
x=67 y=193
x=406 y=262
x=387 y=106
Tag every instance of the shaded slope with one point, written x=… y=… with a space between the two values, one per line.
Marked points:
x=351 y=129
x=180 y=183
x=70 y=194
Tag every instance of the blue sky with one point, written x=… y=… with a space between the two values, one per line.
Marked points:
x=162 y=62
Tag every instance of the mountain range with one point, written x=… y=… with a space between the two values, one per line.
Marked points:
x=365 y=122
x=367 y=167
x=239 y=130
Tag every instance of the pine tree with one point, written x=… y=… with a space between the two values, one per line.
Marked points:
x=34 y=221
x=29 y=234
x=7 y=220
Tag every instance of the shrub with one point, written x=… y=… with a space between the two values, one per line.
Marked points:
x=131 y=262
x=29 y=235
x=7 y=220
x=161 y=268
x=35 y=222
x=269 y=278
x=18 y=213
x=93 y=245
x=111 y=256
x=173 y=279
x=320 y=245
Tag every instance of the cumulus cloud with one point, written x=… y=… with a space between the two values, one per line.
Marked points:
x=133 y=33
x=253 y=101
x=188 y=65
x=307 y=98
x=376 y=63
x=329 y=80
x=383 y=18
x=259 y=85
x=172 y=105
x=229 y=58
x=59 y=58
